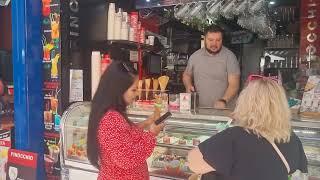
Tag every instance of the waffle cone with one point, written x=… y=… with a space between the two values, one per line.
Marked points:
x=163 y=81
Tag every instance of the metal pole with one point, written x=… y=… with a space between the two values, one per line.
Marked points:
x=27 y=73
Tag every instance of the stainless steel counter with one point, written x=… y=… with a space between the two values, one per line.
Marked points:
x=224 y=116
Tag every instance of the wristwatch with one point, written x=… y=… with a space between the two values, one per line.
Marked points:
x=223 y=100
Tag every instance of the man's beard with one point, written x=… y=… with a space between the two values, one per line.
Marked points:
x=211 y=52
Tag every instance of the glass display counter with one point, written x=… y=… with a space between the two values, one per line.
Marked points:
x=181 y=134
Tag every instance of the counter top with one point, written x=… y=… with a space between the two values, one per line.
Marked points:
x=224 y=116
x=203 y=114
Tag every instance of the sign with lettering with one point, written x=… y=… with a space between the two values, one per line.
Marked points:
x=310 y=105
x=22 y=165
x=5 y=145
x=309 y=29
x=241 y=37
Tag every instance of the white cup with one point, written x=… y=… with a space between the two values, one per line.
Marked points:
x=151 y=40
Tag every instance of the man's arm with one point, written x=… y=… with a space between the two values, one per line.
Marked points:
x=233 y=87
x=231 y=91
x=233 y=71
x=187 y=81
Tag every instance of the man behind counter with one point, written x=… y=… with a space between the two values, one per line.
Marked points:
x=214 y=70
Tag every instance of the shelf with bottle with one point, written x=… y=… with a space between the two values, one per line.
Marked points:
x=282 y=68
x=122 y=44
x=281 y=48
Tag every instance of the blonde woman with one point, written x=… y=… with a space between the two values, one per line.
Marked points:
x=261 y=145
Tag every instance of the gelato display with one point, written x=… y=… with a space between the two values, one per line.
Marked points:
x=312 y=153
x=169 y=162
x=181 y=139
x=169 y=159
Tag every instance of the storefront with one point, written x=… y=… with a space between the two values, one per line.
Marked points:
x=267 y=41
x=21 y=73
x=57 y=69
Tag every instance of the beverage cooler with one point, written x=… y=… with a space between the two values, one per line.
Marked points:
x=181 y=134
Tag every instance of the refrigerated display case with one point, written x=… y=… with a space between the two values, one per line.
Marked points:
x=182 y=133
x=74 y=162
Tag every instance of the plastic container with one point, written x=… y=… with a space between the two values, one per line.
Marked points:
x=131 y=34
x=134 y=23
x=142 y=35
x=111 y=19
x=105 y=62
x=124 y=31
x=117 y=25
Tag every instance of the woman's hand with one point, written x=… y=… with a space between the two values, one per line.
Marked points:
x=155 y=129
x=147 y=123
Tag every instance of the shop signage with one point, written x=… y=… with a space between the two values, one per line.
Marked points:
x=21 y=165
x=241 y=37
x=76 y=85
x=5 y=144
x=74 y=8
x=309 y=28
x=52 y=33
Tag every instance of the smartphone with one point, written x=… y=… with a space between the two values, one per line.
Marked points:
x=162 y=118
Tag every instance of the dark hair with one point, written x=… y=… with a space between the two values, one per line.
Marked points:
x=213 y=28
x=114 y=82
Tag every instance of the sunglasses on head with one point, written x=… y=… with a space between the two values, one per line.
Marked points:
x=253 y=77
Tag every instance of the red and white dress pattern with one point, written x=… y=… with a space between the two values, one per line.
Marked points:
x=124 y=149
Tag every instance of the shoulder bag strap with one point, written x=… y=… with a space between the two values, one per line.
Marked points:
x=285 y=162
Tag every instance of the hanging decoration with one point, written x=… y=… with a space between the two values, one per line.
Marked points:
x=4 y=2
x=250 y=14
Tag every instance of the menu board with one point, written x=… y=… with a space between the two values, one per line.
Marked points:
x=51 y=157
x=5 y=144
x=311 y=97
x=22 y=165
x=51 y=42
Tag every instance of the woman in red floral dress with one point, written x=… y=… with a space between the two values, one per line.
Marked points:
x=115 y=145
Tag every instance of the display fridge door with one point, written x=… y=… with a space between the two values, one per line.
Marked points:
x=74 y=133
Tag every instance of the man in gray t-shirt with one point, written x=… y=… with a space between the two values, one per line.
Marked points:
x=213 y=72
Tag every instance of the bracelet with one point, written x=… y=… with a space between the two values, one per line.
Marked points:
x=223 y=100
